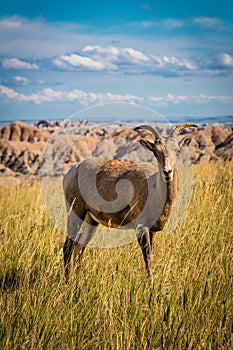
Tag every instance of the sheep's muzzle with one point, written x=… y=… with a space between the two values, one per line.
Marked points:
x=168 y=175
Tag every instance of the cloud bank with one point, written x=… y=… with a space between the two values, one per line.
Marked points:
x=90 y=98
x=127 y=60
x=169 y=62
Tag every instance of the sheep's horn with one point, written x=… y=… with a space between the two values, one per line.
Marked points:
x=149 y=128
x=180 y=127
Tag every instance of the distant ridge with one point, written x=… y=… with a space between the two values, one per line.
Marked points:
x=225 y=120
x=201 y=120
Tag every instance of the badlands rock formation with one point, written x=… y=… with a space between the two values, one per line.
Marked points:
x=21 y=148
x=58 y=145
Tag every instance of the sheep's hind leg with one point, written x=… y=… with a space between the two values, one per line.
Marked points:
x=84 y=237
x=143 y=236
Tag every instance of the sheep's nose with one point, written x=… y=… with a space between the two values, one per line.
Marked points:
x=168 y=175
x=167 y=172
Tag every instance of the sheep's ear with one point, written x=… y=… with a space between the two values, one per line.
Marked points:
x=184 y=142
x=147 y=144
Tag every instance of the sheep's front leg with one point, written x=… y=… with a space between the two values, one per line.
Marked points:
x=143 y=236
x=67 y=253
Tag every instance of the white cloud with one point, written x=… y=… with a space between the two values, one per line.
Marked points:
x=164 y=24
x=209 y=22
x=98 y=58
x=173 y=23
x=40 y=82
x=89 y=98
x=112 y=53
x=10 y=93
x=123 y=60
x=21 y=80
x=202 y=98
x=84 y=98
x=170 y=98
x=110 y=60
x=131 y=58
x=78 y=61
x=11 y=23
x=48 y=95
x=136 y=55
x=58 y=62
x=226 y=59
x=175 y=62
x=15 y=63
x=218 y=64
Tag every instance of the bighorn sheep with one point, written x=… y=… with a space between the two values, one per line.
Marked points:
x=147 y=209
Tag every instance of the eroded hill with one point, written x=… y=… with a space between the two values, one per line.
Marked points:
x=24 y=147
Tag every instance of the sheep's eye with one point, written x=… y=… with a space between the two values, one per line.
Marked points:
x=178 y=152
x=158 y=142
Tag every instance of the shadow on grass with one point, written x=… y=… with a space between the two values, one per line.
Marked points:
x=12 y=279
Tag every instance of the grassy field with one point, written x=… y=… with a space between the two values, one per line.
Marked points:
x=112 y=304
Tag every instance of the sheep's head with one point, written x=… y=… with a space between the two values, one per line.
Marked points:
x=162 y=152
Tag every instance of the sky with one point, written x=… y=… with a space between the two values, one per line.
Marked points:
x=57 y=58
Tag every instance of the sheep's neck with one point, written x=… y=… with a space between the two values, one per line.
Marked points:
x=171 y=196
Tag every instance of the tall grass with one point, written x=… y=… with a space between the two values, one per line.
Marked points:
x=112 y=304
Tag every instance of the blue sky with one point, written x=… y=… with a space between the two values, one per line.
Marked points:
x=175 y=57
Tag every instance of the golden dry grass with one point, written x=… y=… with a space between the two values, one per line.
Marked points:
x=112 y=305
